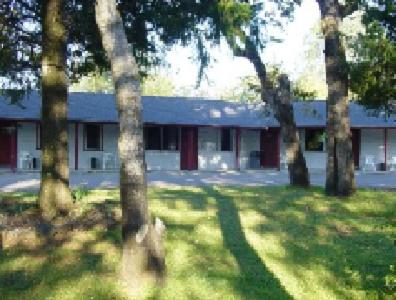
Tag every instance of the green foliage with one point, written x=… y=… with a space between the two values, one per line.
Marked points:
x=101 y=82
x=253 y=22
x=383 y=12
x=234 y=16
x=390 y=279
x=150 y=26
x=247 y=90
x=79 y=193
x=302 y=93
x=373 y=70
x=94 y=82
x=157 y=85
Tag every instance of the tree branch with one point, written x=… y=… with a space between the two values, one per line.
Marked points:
x=348 y=9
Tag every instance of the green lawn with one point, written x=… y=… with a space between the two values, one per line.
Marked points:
x=228 y=243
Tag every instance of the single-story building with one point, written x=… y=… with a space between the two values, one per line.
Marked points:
x=191 y=134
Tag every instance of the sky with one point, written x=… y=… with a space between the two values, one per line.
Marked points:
x=226 y=70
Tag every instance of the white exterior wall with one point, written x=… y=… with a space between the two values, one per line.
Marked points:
x=162 y=160
x=209 y=156
x=391 y=145
x=110 y=139
x=372 y=143
x=26 y=141
x=250 y=141
x=217 y=160
x=314 y=159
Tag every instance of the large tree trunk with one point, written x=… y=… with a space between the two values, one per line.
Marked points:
x=283 y=110
x=142 y=251
x=279 y=99
x=340 y=167
x=55 y=197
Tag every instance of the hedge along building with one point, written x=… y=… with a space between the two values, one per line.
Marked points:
x=191 y=134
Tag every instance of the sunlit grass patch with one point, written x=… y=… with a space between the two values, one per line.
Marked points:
x=225 y=243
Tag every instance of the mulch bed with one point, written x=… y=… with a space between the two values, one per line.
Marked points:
x=21 y=225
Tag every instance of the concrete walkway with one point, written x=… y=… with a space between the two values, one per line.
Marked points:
x=14 y=182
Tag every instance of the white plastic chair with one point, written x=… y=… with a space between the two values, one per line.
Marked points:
x=392 y=164
x=108 y=161
x=25 y=159
x=283 y=162
x=369 y=163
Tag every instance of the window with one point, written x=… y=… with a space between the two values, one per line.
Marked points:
x=226 y=139
x=161 y=138
x=208 y=139
x=152 y=138
x=314 y=140
x=215 y=139
x=38 y=136
x=170 y=138
x=93 y=137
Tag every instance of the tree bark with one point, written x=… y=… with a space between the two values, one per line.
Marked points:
x=55 y=196
x=279 y=99
x=340 y=179
x=142 y=250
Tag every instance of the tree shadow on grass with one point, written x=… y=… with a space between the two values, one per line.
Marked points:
x=347 y=238
x=256 y=281
x=55 y=269
x=70 y=255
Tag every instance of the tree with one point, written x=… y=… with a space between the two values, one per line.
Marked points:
x=372 y=72
x=311 y=82
x=340 y=167
x=157 y=85
x=246 y=90
x=55 y=196
x=372 y=65
x=141 y=241
x=96 y=82
x=152 y=85
x=277 y=95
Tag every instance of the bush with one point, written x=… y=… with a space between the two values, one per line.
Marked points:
x=79 y=193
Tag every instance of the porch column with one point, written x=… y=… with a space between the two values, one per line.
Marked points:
x=385 y=148
x=76 y=146
x=278 y=146
x=237 y=147
x=14 y=148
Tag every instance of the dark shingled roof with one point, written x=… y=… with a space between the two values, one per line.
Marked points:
x=92 y=107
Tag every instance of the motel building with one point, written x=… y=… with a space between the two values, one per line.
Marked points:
x=191 y=134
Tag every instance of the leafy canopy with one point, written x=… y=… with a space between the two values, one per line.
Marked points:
x=151 y=27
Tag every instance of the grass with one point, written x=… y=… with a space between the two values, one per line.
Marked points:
x=227 y=243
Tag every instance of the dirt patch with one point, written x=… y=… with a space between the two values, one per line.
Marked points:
x=28 y=230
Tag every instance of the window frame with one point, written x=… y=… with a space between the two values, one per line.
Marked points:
x=169 y=127
x=306 y=142
x=145 y=134
x=230 y=139
x=85 y=147
x=161 y=140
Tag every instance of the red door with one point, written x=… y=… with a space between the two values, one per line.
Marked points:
x=5 y=147
x=189 y=148
x=356 y=146
x=269 y=148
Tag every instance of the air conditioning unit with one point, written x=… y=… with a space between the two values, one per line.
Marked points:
x=95 y=163
x=109 y=161
x=36 y=163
